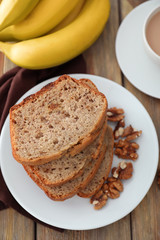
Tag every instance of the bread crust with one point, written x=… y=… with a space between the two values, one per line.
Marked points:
x=84 y=141
x=82 y=193
x=75 y=174
x=73 y=191
x=81 y=185
x=89 y=83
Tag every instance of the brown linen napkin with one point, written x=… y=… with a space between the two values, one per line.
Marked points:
x=13 y=85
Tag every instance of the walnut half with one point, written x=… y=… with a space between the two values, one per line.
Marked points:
x=111 y=189
x=126 y=150
x=123 y=171
x=115 y=114
x=115 y=186
x=119 y=129
x=99 y=199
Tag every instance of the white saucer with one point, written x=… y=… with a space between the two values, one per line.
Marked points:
x=131 y=54
x=77 y=213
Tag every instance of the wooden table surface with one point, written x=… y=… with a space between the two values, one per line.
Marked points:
x=144 y=222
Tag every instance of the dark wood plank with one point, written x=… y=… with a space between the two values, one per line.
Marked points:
x=118 y=230
x=100 y=57
x=15 y=226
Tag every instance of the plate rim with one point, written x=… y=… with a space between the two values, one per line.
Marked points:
x=153 y=174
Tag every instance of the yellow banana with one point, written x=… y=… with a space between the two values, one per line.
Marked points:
x=70 y=17
x=12 y=11
x=45 y=16
x=63 y=45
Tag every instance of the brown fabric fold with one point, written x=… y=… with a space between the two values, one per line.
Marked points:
x=13 y=84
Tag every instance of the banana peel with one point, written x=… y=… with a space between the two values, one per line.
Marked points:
x=13 y=11
x=70 y=17
x=63 y=45
x=44 y=17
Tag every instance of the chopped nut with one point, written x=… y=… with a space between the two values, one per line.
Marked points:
x=119 y=129
x=134 y=135
x=116 y=170
x=114 y=187
x=126 y=173
x=111 y=179
x=109 y=114
x=99 y=199
x=113 y=193
x=115 y=111
x=131 y=133
x=126 y=150
x=105 y=187
x=95 y=202
x=134 y=145
x=118 y=132
x=116 y=118
x=124 y=170
x=115 y=114
x=133 y=156
x=125 y=154
x=100 y=204
x=96 y=196
x=117 y=185
x=115 y=173
x=121 y=143
x=127 y=131
x=104 y=197
x=123 y=165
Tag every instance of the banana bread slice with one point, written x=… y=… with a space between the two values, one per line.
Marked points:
x=66 y=168
x=70 y=188
x=62 y=117
x=96 y=183
x=89 y=83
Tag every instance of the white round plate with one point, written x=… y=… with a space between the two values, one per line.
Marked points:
x=77 y=213
x=133 y=60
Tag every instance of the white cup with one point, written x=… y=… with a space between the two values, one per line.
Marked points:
x=153 y=55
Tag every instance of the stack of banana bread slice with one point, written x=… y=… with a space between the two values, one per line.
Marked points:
x=60 y=136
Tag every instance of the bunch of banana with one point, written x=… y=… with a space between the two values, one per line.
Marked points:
x=65 y=39
x=45 y=16
x=14 y=11
x=70 y=17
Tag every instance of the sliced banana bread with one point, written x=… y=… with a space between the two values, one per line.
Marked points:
x=61 y=117
x=70 y=188
x=89 y=83
x=66 y=168
x=96 y=183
